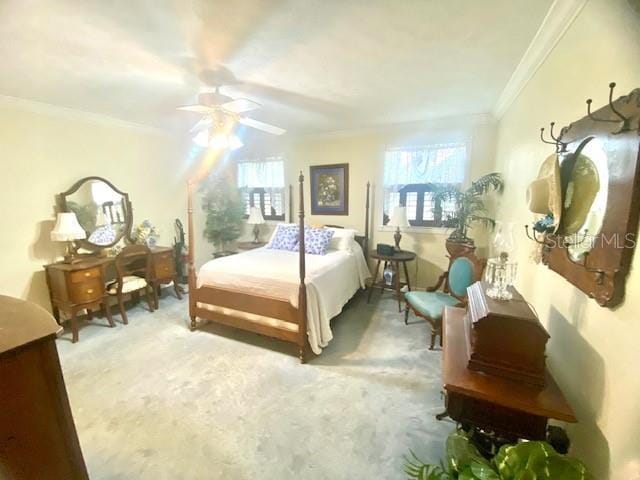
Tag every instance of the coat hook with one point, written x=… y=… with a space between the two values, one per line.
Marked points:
x=546 y=141
x=562 y=147
x=534 y=237
x=590 y=115
x=625 y=121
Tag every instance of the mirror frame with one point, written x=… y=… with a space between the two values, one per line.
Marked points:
x=85 y=243
x=603 y=272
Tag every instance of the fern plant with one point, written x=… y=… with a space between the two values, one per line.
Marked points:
x=469 y=205
x=416 y=469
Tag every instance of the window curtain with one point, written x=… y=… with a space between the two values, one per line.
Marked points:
x=443 y=163
x=266 y=174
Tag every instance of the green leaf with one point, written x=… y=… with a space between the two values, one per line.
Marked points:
x=461 y=453
x=537 y=461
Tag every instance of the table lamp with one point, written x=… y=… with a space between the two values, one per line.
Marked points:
x=256 y=219
x=67 y=229
x=399 y=220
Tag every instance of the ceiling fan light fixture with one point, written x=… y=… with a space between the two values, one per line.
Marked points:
x=217 y=141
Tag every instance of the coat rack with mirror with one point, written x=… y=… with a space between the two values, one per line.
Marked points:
x=592 y=238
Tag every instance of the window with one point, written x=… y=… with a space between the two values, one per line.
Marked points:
x=262 y=185
x=412 y=175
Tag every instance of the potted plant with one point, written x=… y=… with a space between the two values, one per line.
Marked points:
x=225 y=211
x=525 y=460
x=469 y=208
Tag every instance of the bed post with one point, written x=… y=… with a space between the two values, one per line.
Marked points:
x=290 y=204
x=366 y=224
x=302 y=291
x=191 y=253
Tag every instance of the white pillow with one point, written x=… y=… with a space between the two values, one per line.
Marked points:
x=342 y=238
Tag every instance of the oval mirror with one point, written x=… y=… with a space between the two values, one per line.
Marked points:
x=103 y=211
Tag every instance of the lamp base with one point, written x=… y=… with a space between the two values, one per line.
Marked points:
x=397 y=237
x=256 y=234
x=70 y=255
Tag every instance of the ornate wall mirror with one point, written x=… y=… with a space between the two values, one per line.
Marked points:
x=600 y=169
x=103 y=211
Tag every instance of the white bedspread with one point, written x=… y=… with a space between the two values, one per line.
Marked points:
x=331 y=281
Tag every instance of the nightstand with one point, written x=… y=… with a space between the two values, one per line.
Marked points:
x=399 y=257
x=249 y=245
x=78 y=286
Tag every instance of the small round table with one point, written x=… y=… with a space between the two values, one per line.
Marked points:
x=400 y=257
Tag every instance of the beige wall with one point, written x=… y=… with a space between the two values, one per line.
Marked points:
x=364 y=152
x=43 y=151
x=593 y=351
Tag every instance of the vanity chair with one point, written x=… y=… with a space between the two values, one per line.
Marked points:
x=464 y=270
x=133 y=270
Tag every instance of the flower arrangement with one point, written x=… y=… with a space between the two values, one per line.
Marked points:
x=145 y=233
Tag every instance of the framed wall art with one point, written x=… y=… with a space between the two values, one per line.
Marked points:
x=330 y=189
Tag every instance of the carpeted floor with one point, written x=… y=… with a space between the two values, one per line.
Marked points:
x=152 y=400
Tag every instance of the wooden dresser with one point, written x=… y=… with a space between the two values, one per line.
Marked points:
x=74 y=287
x=38 y=438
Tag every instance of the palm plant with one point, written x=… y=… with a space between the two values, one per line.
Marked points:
x=469 y=205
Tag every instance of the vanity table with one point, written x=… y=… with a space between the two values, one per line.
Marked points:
x=74 y=287
x=106 y=215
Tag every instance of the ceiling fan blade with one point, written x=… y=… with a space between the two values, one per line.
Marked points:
x=265 y=127
x=195 y=108
x=241 y=105
x=202 y=124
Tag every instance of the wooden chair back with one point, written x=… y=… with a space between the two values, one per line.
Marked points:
x=134 y=260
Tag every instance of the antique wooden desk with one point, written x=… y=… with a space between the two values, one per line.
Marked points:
x=81 y=286
x=509 y=408
x=400 y=257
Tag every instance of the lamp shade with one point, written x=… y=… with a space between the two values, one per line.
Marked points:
x=255 y=216
x=399 y=218
x=67 y=228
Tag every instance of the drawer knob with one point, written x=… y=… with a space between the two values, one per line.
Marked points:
x=87 y=274
x=90 y=290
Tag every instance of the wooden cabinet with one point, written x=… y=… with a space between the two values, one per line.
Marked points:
x=38 y=438
x=74 y=287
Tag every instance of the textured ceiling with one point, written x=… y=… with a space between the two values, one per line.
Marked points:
x=315 y=65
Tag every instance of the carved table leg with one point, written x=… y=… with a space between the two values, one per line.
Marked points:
x=74 y=326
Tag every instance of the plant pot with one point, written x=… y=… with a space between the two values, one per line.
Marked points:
x=458 y=248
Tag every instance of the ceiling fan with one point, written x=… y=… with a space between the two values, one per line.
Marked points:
x=221 y=112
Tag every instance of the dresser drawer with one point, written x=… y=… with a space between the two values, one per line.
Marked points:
x=90 y=290
x=163 y=266
x=85 y=275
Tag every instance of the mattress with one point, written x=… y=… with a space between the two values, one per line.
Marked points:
x=331 y=280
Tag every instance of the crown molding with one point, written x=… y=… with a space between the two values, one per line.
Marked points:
x=559 y=18
x=452 y=122
x=43 y=108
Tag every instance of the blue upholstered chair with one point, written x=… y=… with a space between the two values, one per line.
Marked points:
x=463 y=271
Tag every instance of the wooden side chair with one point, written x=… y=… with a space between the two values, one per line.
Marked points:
x=133 y=273
x=463 y=271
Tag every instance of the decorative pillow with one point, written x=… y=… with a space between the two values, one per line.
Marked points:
x=275 y=231
x=342 y=238
x=316 y=241
x=285 y=238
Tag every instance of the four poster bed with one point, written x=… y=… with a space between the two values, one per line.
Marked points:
x=281 y=294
